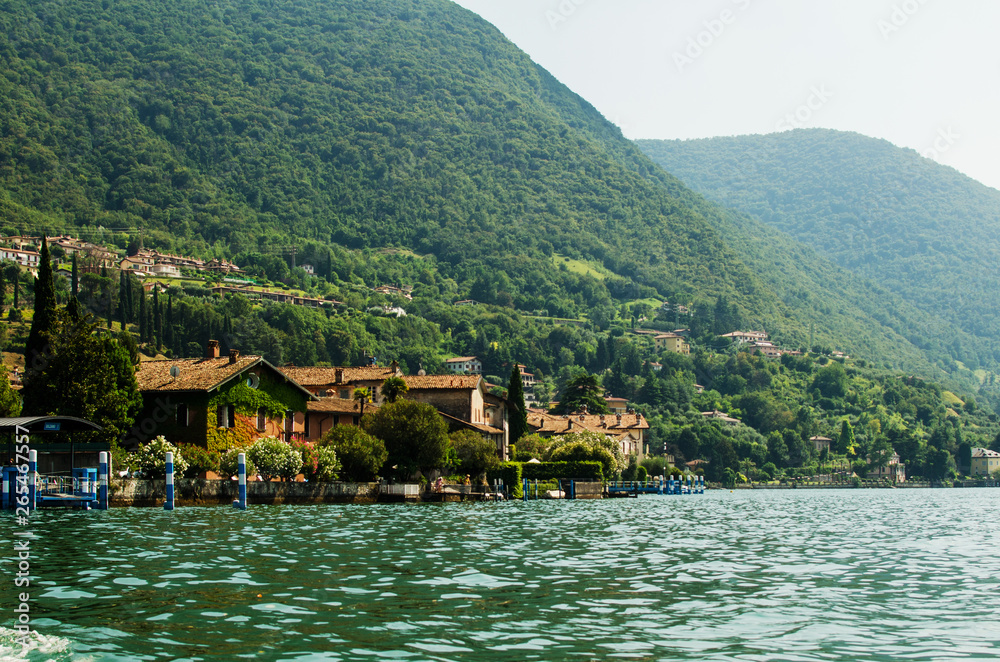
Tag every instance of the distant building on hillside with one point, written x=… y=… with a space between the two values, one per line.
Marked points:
x=460 y=364
x=745 y=336
x=984 y=462
x=672 y=342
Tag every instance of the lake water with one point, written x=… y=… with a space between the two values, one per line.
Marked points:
x=761 y=575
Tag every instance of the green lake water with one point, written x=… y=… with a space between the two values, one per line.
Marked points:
x=750 y=575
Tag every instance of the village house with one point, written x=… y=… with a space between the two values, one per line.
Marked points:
x=24 y=257
x=766 y=348
x=616 y=405
x=628 y=430
x=821 y=443
x=745 y=336
x=672 y=342
x=462 y=400
x=984 y=462
x=716 y=415
x=895 y=470
x=217 y=402
x=464 y=364
x=334 y=382
x=465 y=403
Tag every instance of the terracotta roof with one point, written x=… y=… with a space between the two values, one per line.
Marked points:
x=606 y=423
x=442 y=381
x=338 y=406
x=984 y=452
x=195 y=374
x=481 y=427
x=461 y=359
x=326 y=376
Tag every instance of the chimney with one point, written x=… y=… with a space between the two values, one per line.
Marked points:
x=395 y=366
x=234 y=354
x=338 y=376
x=212 y=352
x=619 y=419
x=583 y=409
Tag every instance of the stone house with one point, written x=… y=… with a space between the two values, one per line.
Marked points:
x=628 y=430
x=217 y=402
x=984 y=462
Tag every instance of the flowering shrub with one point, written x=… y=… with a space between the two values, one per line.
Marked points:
x=310 y=462
x=199 y=460
x=229 y=463
x=275 y=458
x=152 y=460
x=328 y=466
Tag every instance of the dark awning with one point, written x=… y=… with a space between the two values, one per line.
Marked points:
x=48 y=424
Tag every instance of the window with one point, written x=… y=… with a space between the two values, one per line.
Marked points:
x=226 y=415
x=306 y=425
x=345 y=395
x=289 y=424
x=261 y=419
x=181 y=415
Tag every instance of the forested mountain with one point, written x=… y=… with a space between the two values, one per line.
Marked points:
x=920 y=230
x=388 y=141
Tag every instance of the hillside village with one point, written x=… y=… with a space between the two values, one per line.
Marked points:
x=307 y=402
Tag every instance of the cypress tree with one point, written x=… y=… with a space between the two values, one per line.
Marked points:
x=169 y=335
x=17 y=290
x=123 y=316
x=3 y=289
x=45 y=310
x=157 y=318
x=142 y=316
x=74 y=283
x=518 y=418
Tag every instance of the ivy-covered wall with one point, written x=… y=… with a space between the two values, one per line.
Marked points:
x=273 y=394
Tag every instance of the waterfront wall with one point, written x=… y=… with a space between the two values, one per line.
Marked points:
x=201 y=492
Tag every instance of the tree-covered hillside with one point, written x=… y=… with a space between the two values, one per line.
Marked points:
x=247 y=129
x=918 y=229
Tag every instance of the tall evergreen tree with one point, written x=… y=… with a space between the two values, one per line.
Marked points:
x=168 y=337
x=142 y=316
x=518 y=418
x=45 y=310
x=123 y=309
x=17 y=291
x=74 y=282
x=157 y=319
x=3 y=289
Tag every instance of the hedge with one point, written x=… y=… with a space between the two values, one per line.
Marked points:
x=510 y=474
x=576 y=470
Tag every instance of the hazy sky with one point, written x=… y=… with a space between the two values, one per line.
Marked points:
x=920 y=73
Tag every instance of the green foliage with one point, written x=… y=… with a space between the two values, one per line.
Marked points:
x=518 y=412
x=229 y=463
x=394 y=388
x=911 y=229
x=415 y=435
x=511 y=475
x=199 y=460
x=151 y=458
x=585 y=470
x=583 y=390
x=641 y=474
x=44 y=318
x=10 y=400
x=476 y=455
x=532 y=446
x=83 y=374
x=598 y=445
x=581 y=452
x=327 y=467
x=361 y=455
x=275 y=458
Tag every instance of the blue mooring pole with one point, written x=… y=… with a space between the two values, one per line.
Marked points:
x=32 y=470
x=102 y=481
x=169 y=505
x=241 y=501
